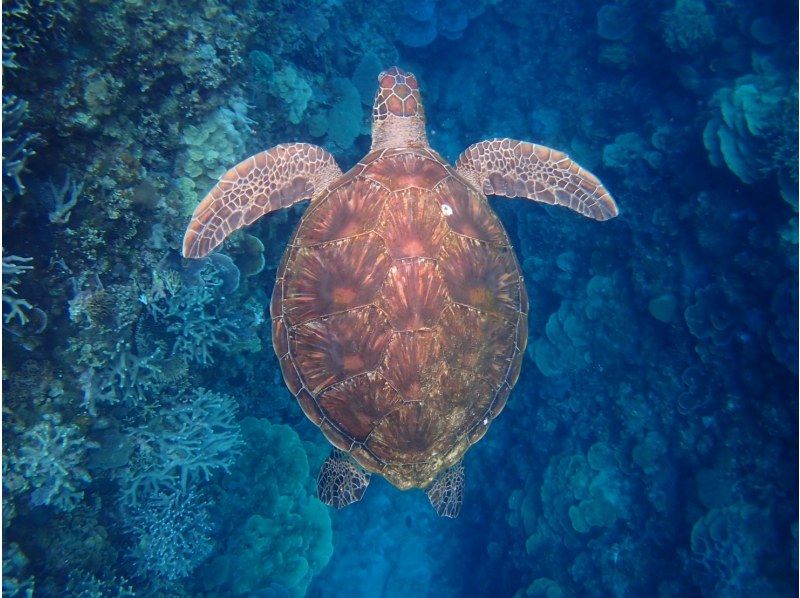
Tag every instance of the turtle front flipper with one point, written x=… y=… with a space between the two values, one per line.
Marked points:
x=520 y=169
x=268 y=181
x=341 y=482
x=447 y=491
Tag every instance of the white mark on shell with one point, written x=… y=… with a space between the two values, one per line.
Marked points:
x=446 y=209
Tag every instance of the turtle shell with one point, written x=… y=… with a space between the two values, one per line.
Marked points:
x=400 y=315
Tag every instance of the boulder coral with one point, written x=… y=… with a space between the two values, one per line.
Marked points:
x=580 y=493
x=293 y=90
x=425 y=20
x=345 y=116
x=753 y=130
x=728 y=545
x=278 y=530
x=687 y=26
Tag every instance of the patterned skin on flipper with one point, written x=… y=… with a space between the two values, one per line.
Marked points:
x=520 y=169
x=380 y=361
x=263 y=183
x=447 y=492
x=341 y=482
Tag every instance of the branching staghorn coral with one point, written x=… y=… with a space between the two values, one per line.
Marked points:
x=51 y=457
x=193 y=313
x=13 y=267
x=63 y=199
x=171 y=533
x=182 y=443
x=16 y=145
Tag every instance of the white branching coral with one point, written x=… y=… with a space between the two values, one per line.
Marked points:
x=171 y=533
x=51 y=458
x=186 y=441
x=63 y=199
x=14 y=306
x=193 y=313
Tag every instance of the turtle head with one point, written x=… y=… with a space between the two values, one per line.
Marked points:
x=398 y=118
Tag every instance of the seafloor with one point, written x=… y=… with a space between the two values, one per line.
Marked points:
x=650 y=446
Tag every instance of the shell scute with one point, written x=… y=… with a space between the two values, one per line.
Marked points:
x=412 y=225
x=478 y=341
x=468 y=214
x=310 y=406
x=334 y=277
x=280 y=337
x=406 y=435
x=343 y=213
x=414 y=294
x=331 y=349
x=482 y=276
x=412 y=365
x=290 y=374
x=335 y=436
x=405 y=171
x=361 y=402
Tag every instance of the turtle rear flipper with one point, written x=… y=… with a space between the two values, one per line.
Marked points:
x=520 y=169
x=447 y=491
x=268 y=181
x=341 y=482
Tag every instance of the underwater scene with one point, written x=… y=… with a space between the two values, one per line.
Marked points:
x=527 y=382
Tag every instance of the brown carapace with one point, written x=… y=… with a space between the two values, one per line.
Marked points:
x=399 y=314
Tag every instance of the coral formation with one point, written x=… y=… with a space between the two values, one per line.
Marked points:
x=615 y=21
x=171 y=534
x=754 y=130
x=51 y=459
x=727 y=544
x=17 y=143
x=14 y=306
x=209 y=147
x=687 y=26
x=424 y=20
x=279 y=531
x=185 y=444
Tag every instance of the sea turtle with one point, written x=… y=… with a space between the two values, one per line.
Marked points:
x=399 y=314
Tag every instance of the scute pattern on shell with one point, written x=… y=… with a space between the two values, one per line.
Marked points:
x=400 y=316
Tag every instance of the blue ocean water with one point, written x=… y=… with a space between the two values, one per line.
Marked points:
x=150 y=445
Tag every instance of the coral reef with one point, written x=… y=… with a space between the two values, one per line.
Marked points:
x=754 y=129
x=727 y=544
x=687 y=26
x=278 y=531
x=424 y=20
x=17 y=143
x=171 y=534
x=645 y=446
x=14 y=306
x=51 y=459
x=209 y=147
x=184 y=444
